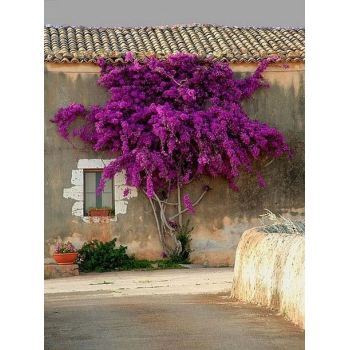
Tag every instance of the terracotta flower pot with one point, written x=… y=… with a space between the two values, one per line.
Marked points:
x=65 y=258
x=99 y=212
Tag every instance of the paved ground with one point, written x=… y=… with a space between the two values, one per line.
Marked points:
x=163 y=309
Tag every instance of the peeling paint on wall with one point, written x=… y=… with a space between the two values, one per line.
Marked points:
x=76 y=192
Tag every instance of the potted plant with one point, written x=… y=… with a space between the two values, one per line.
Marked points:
x=104 y=211
x=65 y=253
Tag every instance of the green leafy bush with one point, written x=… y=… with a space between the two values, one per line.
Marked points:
x=96 y=256
x=101 y=256
x=184 y=236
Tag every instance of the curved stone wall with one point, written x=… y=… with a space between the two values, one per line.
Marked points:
x=270 y=271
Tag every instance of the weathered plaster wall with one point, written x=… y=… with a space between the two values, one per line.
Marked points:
x=222 y=216
x=270 y=271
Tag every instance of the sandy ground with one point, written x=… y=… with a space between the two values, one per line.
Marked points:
x=134 y=283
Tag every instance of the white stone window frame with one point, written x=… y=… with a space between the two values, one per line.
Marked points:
x=76 y=192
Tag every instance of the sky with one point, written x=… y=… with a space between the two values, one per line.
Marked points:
x=144 y=13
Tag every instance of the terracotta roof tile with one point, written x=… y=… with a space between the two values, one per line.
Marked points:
x=222 y=43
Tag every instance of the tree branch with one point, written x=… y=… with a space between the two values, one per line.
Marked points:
x=179 y=203
x=194 y=204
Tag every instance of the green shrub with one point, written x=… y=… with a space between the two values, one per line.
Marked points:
x=96 y=256
x=184 y=236
x=168 y=264
x=102 y=256
x=136 y=264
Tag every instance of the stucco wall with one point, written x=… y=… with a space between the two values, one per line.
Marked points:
x=270 y=271
x=222 y=216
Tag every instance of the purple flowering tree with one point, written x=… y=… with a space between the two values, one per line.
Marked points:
x=169 y=122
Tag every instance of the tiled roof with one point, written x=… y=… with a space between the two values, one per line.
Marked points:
x=222 y=43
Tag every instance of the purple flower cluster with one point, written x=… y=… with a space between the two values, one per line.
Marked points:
x=126 y=192
x=169 y=121
x=188 y=204
x=173 y=224
x=65 y=248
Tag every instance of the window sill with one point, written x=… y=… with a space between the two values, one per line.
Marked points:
x=99 y=219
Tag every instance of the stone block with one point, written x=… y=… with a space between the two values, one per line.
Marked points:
x=58 y=271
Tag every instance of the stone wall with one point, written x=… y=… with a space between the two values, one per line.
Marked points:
x=222 y=216
x=270 y=271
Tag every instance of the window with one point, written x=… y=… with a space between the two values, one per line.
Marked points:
x=92 y=179
x=85 y=198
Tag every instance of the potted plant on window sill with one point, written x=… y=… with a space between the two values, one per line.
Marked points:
x=65 y=253
x=104 y=211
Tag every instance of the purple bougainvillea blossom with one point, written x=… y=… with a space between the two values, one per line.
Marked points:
x=126 y=192
x=261 y=181
x=169 y=121
x=188 y=204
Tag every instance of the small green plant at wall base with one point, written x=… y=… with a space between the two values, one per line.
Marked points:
x=184 y=236
x=96 y=256
x=101 y=256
